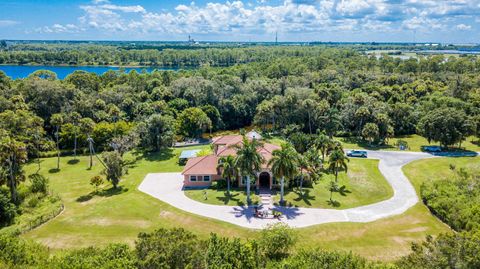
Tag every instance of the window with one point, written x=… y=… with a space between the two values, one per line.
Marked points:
x=193 y=178
x=206 y=178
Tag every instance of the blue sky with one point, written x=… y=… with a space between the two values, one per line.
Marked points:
x=454 y=21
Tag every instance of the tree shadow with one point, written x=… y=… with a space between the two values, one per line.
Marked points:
x=343 y=191
x=226 y=198
x=162 y=155
x=102 y=193
x=305 y=196
x=364 y=144
x=53 y=170
x=333 y=203
x=73 y=161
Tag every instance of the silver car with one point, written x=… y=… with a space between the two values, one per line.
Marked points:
x=357 y=153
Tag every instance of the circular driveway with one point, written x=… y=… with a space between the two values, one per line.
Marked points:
x=167 y=187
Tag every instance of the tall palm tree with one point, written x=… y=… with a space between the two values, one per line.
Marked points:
x=336 y=161
x=310 y=165
x=284 y=164
x=227 y=165
x=303 y=168
x=323 y=143
x=248 y=160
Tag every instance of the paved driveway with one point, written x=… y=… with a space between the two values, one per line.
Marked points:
x=167 y=187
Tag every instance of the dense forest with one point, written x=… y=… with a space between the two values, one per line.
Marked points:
x=291 y=91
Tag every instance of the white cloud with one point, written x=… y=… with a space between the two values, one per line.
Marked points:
x=291 y=16
x=6 y=23
x=60 y=28
x=463 y=27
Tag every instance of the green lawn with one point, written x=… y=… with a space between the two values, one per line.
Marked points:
x=120 y=216
x=114 y=216
x=437 y=168
x=415 y=142
x=214 y=196
x=364 y=182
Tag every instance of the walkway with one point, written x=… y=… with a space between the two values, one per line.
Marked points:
x=167 y=187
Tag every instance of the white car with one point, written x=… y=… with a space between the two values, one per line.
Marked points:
x=357 y=153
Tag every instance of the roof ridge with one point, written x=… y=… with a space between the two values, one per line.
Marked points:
x=263 y=146
x=201 y=158
x=228 y=146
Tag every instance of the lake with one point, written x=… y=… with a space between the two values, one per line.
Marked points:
x=22 y=71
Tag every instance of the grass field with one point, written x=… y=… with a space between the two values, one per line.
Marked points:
x=415 y=142
x=118 y=216
x=365 y=184
x=437 y=168
x=363 y=180
x=214 y=196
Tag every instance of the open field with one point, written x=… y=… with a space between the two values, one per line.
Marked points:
x=118 y=216
x=437 y=168
x=363 y=180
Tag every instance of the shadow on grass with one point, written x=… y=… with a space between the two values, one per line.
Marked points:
x=102 y=193
x=162 y=155
x=73 y=161
x=364 y=144
x=226 y=198
x=53 y=170
x=333 y=203
x=304 y=196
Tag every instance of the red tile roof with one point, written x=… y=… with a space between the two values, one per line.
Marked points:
x=205 y=165
x=227 y=140
x=208 y=164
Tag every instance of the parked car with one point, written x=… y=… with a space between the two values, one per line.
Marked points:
x=357 y=153
x=432 y=148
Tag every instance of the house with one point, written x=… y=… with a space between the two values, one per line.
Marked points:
x=202 y=171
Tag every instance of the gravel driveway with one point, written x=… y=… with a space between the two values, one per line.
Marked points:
x=167 y=187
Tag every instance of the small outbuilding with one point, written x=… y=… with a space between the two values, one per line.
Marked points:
x=254 y=135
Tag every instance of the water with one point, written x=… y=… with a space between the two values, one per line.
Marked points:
x=22 y=71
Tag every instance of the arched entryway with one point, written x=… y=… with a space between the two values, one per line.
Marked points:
x=264 y=180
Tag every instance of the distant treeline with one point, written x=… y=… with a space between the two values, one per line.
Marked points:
x=178 y=54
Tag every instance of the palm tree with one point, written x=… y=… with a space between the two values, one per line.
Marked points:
x=310 y=165
x=248 y=160
x=303 y=167
x=284 y=163
x=323 y=143
x=56 y=121
x=336 y=161
x=228 y=168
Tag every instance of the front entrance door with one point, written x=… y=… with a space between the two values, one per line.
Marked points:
x=264 y=180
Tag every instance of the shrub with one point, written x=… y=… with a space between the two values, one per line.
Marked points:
x=316 y=258
x=113 y=256
x=276 y=241
x=175 y=248
x=32 y=201
x=7 y=209
x=455 y=201
x=39 y=184
x=15 y=252
x=230 y=253
x=96 y=182
x=459 y=250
